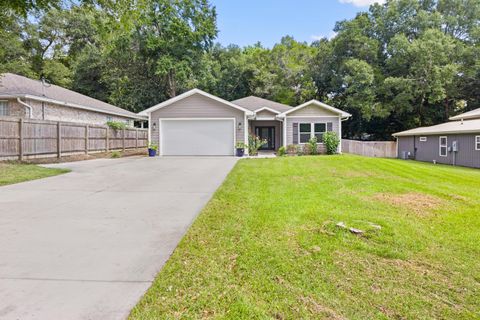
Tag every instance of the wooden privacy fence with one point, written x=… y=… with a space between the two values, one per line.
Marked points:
x=382 y=149
x=22 y=138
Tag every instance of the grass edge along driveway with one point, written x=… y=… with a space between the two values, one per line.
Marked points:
x=268 y=246
x=11 y=172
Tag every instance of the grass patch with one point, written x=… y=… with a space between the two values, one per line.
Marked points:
x=267 y=245
x=15 y=172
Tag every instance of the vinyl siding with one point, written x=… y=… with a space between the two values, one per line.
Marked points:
x=265 y=114
x=197 y=106
x=428 y=151
x=313 y=110
x=321 y=119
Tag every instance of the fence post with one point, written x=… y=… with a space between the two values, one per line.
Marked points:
x=86 y=138
x=107 y=140
x=59 y=140
x=20 y=139
x=136 y=138
x=123 y=139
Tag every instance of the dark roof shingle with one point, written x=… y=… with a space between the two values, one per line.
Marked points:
x=254 y=103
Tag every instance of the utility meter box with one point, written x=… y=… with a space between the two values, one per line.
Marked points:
x=455 y=146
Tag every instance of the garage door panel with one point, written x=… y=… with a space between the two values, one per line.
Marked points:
x=197 y=137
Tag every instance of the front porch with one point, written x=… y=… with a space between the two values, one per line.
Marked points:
x=271 y=130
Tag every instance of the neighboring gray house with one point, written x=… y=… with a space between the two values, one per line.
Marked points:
x=456 y=142
x=32 y=99
x=198 y=123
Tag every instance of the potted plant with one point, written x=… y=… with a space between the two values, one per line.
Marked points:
x=240 y=147
x=152 y=150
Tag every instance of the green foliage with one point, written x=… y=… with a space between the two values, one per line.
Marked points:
x=291 y=149
x=312 y=144
x=281 y=151
x=115 y=154
x=331 y=141
x=255 y=143
x=153 y=146
x=241 y=145
x=401 y=64
x=116 y=125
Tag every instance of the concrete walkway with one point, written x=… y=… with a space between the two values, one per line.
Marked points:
x=88 y=244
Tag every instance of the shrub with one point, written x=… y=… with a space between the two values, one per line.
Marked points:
x=255 y=143
x=307 y=149
x=300 y=149
x=153 y=146
x=116 y=125
x=331 y=141
x=241 y=145
x=312 y=143
x=291 y=149
x=115 y=154
x=281 y=151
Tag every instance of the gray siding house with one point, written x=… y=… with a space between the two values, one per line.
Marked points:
x=198 y=123
x=22 y=97
x=455 y=143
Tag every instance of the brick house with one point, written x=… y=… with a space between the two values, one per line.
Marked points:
x=22 y=97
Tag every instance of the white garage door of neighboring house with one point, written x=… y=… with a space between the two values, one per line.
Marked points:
x=197 y=137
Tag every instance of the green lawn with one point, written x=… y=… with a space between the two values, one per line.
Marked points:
x=14 y=172
x=267 y=245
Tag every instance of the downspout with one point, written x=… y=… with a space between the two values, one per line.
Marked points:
x=30 y=109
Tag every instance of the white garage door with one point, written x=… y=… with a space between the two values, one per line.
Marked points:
x=212 y=137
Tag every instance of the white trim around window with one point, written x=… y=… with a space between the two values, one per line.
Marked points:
x=314 y=131
x=443 y=146
x=4 y=108
x=477 y=143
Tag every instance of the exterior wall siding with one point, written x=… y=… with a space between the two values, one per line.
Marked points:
x=313 y=110
x=268 y=123
x=428 y=151
x=309 y=119
x=53 y=112
x=197 y=106
x=265 y=114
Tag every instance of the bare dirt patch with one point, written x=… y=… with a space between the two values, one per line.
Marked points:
x=419 y=203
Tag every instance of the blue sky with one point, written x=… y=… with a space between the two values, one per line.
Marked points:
x=244 y=22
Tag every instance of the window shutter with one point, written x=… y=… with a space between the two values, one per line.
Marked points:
x=295 y=133
x=329 y=126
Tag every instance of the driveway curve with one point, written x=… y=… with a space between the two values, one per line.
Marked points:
x=88 y=244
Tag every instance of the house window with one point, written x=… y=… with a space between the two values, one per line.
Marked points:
x=423 y=139
x=310 y=130
x=109 y=118
x=320 y=129
x=477 y=143
x=305 y=132
x=3 y=108
x=443 y=146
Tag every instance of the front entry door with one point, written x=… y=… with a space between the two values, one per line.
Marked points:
x=267 y=133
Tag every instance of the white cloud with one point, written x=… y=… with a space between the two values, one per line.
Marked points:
x=329 y=36
x=362 y=3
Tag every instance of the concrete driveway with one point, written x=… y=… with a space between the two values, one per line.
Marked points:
x=88 y=244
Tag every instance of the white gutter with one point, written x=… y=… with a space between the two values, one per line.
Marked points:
x=30 y=109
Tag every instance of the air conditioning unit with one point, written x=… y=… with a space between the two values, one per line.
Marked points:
x=405 y=155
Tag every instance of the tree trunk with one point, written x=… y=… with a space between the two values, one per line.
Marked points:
x=171 y=84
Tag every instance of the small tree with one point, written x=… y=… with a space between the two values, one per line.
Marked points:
x=331 y=141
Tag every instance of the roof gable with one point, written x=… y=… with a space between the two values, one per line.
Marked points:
x=318 y=104
x=256 y=103
x=190 y=93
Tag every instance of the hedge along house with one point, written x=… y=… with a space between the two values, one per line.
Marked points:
x=26 y=98
x=456 y=142
x=198 y=123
